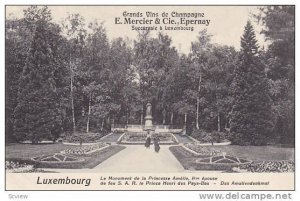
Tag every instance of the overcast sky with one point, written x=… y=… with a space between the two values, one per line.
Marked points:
x=226 y=25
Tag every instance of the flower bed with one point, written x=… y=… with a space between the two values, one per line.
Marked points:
x=57 y=158
x=84 y=137
x=133 y=137
x=140 y=137
x=268 y=166
x=225 y=159
x=17 y=167
x=85 y=149
x=202 y=150
x=224 y=162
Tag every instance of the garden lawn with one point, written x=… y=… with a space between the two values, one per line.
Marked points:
x=24 y=152
x=27 y=151
x=254 y=153
x=186 y=158
x=259 y=153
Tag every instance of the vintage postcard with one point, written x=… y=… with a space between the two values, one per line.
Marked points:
x=149 y=97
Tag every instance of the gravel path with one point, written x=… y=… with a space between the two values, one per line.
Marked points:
x=137 y=158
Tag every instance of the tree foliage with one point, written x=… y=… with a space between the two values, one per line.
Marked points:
x=72 y=77
x=279 y=60
x=251 y=116
x=37 y=114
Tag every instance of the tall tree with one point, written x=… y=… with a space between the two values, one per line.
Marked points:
x=166 y=64
x=217 y=79
x=38 y=115
x=182 y=105
x=75 y=32
x=17 y=42
x=201 y=50
x=96 y=75
x=145 y=63
x=156 y=59
x=123 y=89
x=279 y=29
x=251 y=116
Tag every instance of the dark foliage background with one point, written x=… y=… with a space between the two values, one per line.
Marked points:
x=69 y=78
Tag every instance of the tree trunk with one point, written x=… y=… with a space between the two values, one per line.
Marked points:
x=198 y=102
x=72 y=96
x=82 y=111
x=102 y=124
x=108 y=123
x=217 y=98
x=164 y=116
x=184 y=127
x=89 y=113
x=142 y=115
x=113 y=123
x=127 y=116
x=226 y=122
x=219 y=122
x=172 y=116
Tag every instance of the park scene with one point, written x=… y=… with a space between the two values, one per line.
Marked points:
x=78 y=100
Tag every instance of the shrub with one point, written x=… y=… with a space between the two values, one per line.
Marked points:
x=209 y=137
x=60 y=139
x=219 y=136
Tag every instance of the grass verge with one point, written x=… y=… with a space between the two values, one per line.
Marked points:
x=254 y=153
x=23 y=154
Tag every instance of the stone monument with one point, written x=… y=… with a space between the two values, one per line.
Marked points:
x=148 y=118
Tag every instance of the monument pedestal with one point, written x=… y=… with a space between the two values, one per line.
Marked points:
x=148 y=118
x=148 y=123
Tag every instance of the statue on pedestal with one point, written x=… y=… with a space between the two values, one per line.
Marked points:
x=148 y=117
x=149 y=109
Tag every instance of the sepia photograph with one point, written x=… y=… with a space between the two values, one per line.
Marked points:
x=149 y=97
